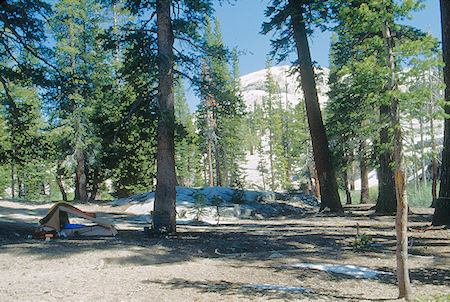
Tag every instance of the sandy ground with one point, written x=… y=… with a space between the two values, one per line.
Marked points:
x=226 y=262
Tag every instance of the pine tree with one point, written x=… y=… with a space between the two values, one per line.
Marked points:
x=382 y=17
x=221 y=109
x=20 y=108
x=271 y=121
x=186 y=152
x=76 y=25
x=290 y=17
x=168 y=27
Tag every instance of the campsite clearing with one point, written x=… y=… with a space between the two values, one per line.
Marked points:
x=237 y=260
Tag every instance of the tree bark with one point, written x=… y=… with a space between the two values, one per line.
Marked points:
x=327 y=179
x=316 y=184
x=81 y=176
x=81 y=184
x=442 y=210
x=164 y=218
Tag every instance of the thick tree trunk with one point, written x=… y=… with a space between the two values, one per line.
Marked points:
x=442 y=210
x=386 y=201
x=164 y=218
x=364 y=172
x=327 y=179
x=401 y=220
x=81 y=183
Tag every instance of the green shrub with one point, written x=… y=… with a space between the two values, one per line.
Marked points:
x=362 y=242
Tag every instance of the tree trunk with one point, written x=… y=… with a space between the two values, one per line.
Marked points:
x=228 y=175
x=164 y=218
x=81 y=183
x=434 y=172
x=364 y=170
x=95 y=185
x=386 y=201
x=217 y=159
x=210 y=167
x=401 y=225
x=19 y=185
x=61 y=187
x=441 y=212
x=327 y=180
x=422 y=153
x=272 y=171
x=316 y=183
x=401 y=220
x=347 y=190
x=351 y=178
x=12 y=180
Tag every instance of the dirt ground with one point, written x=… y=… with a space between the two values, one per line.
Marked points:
x=238 y=260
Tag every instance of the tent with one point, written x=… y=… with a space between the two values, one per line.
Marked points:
x=57 y=219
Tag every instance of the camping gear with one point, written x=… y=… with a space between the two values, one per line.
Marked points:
x=57 y=220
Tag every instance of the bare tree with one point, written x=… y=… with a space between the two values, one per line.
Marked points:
x=401 y=220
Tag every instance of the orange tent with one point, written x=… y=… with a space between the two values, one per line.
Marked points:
x=57 y=219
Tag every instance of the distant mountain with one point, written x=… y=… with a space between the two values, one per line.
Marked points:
x=253 y=85
x=253 y=90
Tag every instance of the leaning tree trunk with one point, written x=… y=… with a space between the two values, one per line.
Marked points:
x=401 y=220
x=164 y=219
x=327 y=179
x=441 y=213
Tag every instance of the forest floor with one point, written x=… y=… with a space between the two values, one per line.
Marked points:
x=237 y=260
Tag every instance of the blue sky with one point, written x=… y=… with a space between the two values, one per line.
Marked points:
x=241 y=23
